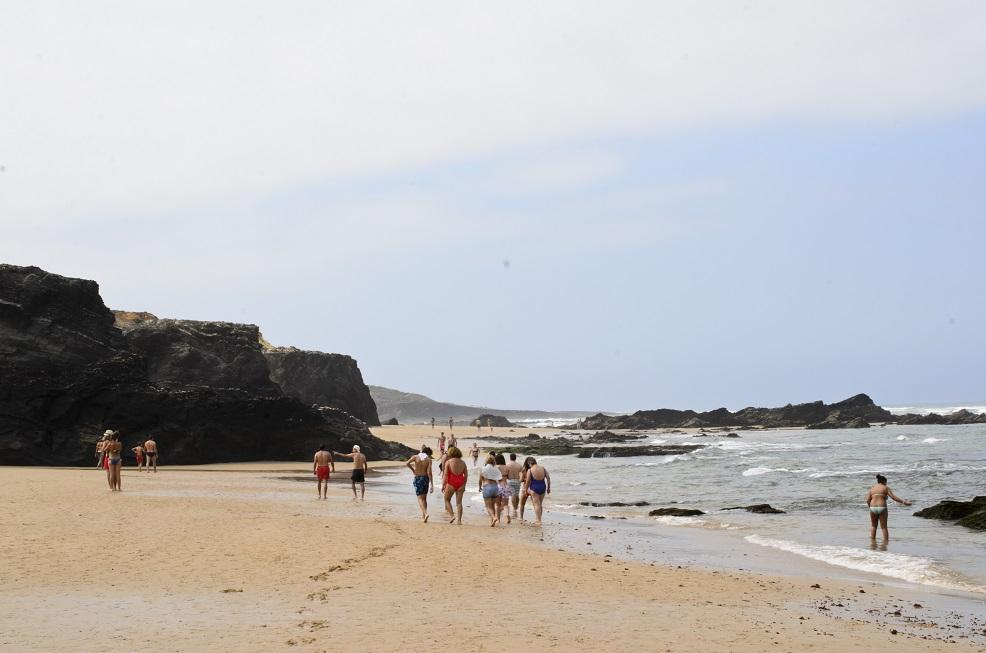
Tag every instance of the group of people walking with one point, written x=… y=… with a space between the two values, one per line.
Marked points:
x=505 y=487
x=109 y=456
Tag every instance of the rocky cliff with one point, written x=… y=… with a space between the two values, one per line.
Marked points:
x=67 y=373
x=321 y=379
x=853 y=412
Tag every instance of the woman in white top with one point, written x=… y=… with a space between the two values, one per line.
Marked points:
x=489 y=485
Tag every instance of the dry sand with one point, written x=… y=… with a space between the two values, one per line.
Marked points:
x=242 y=558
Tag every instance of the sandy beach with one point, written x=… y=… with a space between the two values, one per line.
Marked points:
x=242 y=557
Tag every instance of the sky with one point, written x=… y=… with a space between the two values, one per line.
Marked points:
x=560 y=205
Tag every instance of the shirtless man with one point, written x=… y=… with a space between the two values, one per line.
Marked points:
x=514 y=469
x=441 y=443
x=420 y=465
x=320 y=468
x=150 y=450
x=359 y=470
x=452 y=441
x=474 y=452
x=139 y=453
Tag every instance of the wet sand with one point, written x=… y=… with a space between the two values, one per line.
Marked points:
x=243 y=557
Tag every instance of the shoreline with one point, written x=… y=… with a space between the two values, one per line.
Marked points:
x=261 y=565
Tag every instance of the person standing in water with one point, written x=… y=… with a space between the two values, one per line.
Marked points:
x=537 y=485
x=320 y=468
x=441 y=443
x=503 y=489
x=876 y=499
x=454 y=483
x=453 y=441
x=150 y=452
x=420 y=466
x=474 y=452
x=359 y=470
x=514 y=470
x=489 y=485
x=114 y=454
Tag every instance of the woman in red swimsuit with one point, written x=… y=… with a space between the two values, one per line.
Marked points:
x=454 y=482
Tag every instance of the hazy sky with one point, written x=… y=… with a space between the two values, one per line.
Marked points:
x=559 y=205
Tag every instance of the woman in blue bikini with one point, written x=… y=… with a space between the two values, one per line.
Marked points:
x=537 y=483
x=876 y=499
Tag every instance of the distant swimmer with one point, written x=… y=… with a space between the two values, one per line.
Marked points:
x=537 y=485
x=489 y=485
x=359 y=470
x=139 y=454
x=876 y=499
x=114 y=455
x=514 y=470
x=474 y=452
x=454 y=483
x=320 y=467
x=441 y=443
x=420 y=466
x=150 y=451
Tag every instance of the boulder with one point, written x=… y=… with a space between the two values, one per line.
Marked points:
x=487 y=419
x=952 y=510
x=321 y=379
x=675 y=512
x=391 y=422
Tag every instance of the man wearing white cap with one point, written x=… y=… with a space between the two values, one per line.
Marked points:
x=359 y=470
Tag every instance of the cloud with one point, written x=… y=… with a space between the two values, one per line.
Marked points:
x=130 y=109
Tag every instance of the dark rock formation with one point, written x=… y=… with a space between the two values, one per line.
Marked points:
x=860 y=406
x=962 y=416
x=67 y=373
x=675 y=512
x=614 y=504
x=321 y=379
x=836 y=420
x=211 y=354
x=487 y=419
x=971 y=514
x=760 y=508
x=622 y=452
x=391 y=422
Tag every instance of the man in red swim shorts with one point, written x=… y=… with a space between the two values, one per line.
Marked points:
x=323 y=461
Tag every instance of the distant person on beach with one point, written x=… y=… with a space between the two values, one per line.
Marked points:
x=150 y=452
x=420 y=466
x=489 y=485
x=432 y=422
x=537 y=485
x=452 y=440
x=474 y=452
x=360 y=468
x=450 y=429
x=441 y=443
x=514 y=470
x=876 y=499
x=489 y=423
x=100 y=449
x=502 y=488
x=523 y=481
x=139 y=454
x=454 y=483
x=479 y=425
x=114 y=456
x=320 y=468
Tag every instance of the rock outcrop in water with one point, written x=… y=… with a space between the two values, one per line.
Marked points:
x=760 y=509
x=675 y=512
x=962 y=416
x=971 y=514
x=860 y=407
x=487 y=419
x=67 y=372
x=321 y=379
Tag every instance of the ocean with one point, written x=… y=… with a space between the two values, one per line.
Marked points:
x=819 y=478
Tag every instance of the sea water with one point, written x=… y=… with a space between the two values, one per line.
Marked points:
x=819 y=478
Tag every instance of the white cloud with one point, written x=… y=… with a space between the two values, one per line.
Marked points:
x=136 y=108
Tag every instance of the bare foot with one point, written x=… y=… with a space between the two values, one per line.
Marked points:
x=508 y=519
x=426 y=519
